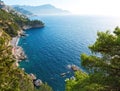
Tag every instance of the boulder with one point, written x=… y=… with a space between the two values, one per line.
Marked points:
x=63 y=74
x=38 y=82
x=74 y=68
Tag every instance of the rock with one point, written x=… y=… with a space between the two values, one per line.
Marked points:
x=72 y=78
x=69 y=66
x=38 y=82
x=63 y=74
x=33 y=77
x=22 y=56
x=74 y=68
x=19 y=53
x=16 y=64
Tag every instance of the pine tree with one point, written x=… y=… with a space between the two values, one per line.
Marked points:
x=102 y=66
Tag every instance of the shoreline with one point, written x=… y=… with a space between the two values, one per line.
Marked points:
x=17 y=51
x=19 y=55
x=15 y=40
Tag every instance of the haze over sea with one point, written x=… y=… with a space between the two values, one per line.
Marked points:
x=59 y=44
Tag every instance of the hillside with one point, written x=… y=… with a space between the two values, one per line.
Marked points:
x=11 y=23
x=46 y=9
x=13 y=78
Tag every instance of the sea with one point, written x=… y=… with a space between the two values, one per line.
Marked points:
x=53 y=49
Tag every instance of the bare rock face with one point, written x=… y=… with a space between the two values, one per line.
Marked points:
x=38 y=82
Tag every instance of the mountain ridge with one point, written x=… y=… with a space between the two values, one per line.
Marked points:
x=46 y=9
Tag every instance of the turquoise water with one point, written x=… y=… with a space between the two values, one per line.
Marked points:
x=59 y=44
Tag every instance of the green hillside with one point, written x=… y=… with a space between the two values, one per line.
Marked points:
x=12 y=23
x=13 y=78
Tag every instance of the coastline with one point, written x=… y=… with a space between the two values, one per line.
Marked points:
x=15 y=40
x=17 y=51
x=19 y=55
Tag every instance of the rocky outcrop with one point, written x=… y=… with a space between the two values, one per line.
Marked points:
x=38 y=82
x=19 y=53
x=73 y=67
x=32 y=76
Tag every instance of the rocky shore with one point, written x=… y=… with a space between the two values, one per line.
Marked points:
x=19 y=55
x=36 y=82
x=17 y=51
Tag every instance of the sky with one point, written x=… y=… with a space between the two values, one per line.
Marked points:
x=83 y=7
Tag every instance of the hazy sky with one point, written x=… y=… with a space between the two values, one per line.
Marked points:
x=94 y=7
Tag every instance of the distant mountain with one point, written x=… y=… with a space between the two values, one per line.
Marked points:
x=23 y=11
x=46 y=9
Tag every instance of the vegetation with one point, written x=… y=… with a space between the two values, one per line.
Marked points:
x=36 y=23
x=103 y=66
x=13 y=78
x=12 y=23
x=44 y=87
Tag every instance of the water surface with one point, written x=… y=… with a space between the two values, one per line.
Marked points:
x=60 y=43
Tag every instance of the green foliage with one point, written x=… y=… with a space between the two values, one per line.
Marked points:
x=36 y=22
x=12 y=23
x=44 y=87
x=103 y=71
x=8 y=24
x=13 y=78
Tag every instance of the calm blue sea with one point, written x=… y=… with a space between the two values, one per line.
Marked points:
x=59 y=44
